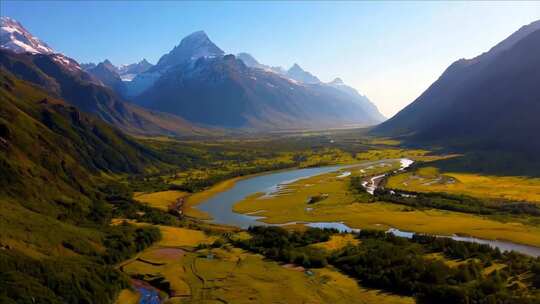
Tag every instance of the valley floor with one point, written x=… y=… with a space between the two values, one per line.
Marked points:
x=196 y=272
x=192 y=266
x=339 y=204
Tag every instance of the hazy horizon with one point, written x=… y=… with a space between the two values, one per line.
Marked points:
x=390 y=52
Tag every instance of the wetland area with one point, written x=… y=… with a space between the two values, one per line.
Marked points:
x=220 y=206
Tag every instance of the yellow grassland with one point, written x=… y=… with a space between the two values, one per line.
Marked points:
x=127 y=296
x=340 y=206
x=235 y=276
x=338 y=241
x=392 y=153
x=232 y=275
x=179 y=237
x=161 y=200
x=429 y=179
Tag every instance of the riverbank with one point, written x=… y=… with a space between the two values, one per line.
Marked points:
x=188 y=209
x=290 y=204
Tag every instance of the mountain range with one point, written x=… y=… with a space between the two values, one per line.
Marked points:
x=487 y=102
x=195 y=80
x=33 y=61
x=126 y=72
x=490 y=102
x=195 y=83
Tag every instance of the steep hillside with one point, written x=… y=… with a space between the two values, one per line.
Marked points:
x=491 y=102
x=88 y=94
x=13 y=36
x=114 y=76
x=33 y=60
x=108 y=75
x=192 y=47
x=56 y=245
x=49 y=150
x=298 y=74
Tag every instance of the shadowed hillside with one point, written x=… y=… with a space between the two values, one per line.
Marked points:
x=88 y=94
x=488 y=103
x=54 y=236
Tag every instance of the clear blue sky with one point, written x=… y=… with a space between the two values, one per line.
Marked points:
x=390 y=51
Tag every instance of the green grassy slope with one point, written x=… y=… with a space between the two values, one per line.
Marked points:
x=55 y=242
x=49 y=150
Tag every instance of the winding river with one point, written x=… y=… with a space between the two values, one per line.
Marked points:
x=220 y=205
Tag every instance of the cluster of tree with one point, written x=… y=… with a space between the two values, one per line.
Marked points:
x=131 y=209
x=125 y=240
x=387 y=262
x=87 y=278
x=56 y=280
x=288 y=246
x=120 y=242
x=148 y=182
x=403 y=266
x=454 y=202
x=457 y=250
x=243 y=158
x=119 y=196
x=355 y=186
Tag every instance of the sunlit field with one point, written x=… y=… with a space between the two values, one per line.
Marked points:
x=290 y=204
x=430 y=179
x=236 y=276
x=170 y=156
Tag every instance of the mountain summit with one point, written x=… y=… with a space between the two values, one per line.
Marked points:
x=196 y=45
x=192 y=47
x=63 y=77
x=250 y=61
x=127 y=72
x=225 y=92
x=196 y=81
x=299 y=74
x=490 y=102
x=14 y=37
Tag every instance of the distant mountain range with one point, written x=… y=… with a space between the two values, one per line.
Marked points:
x=126 y=72
x=250 y=61
x=295 y=72
x=197 y=81
x=490 y=102
x=30 y=59
x=15 y=37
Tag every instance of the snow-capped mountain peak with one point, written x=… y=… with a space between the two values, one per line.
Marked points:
x=191 y=48
x=299 y=74
x=14 y=37
x=135 y=68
